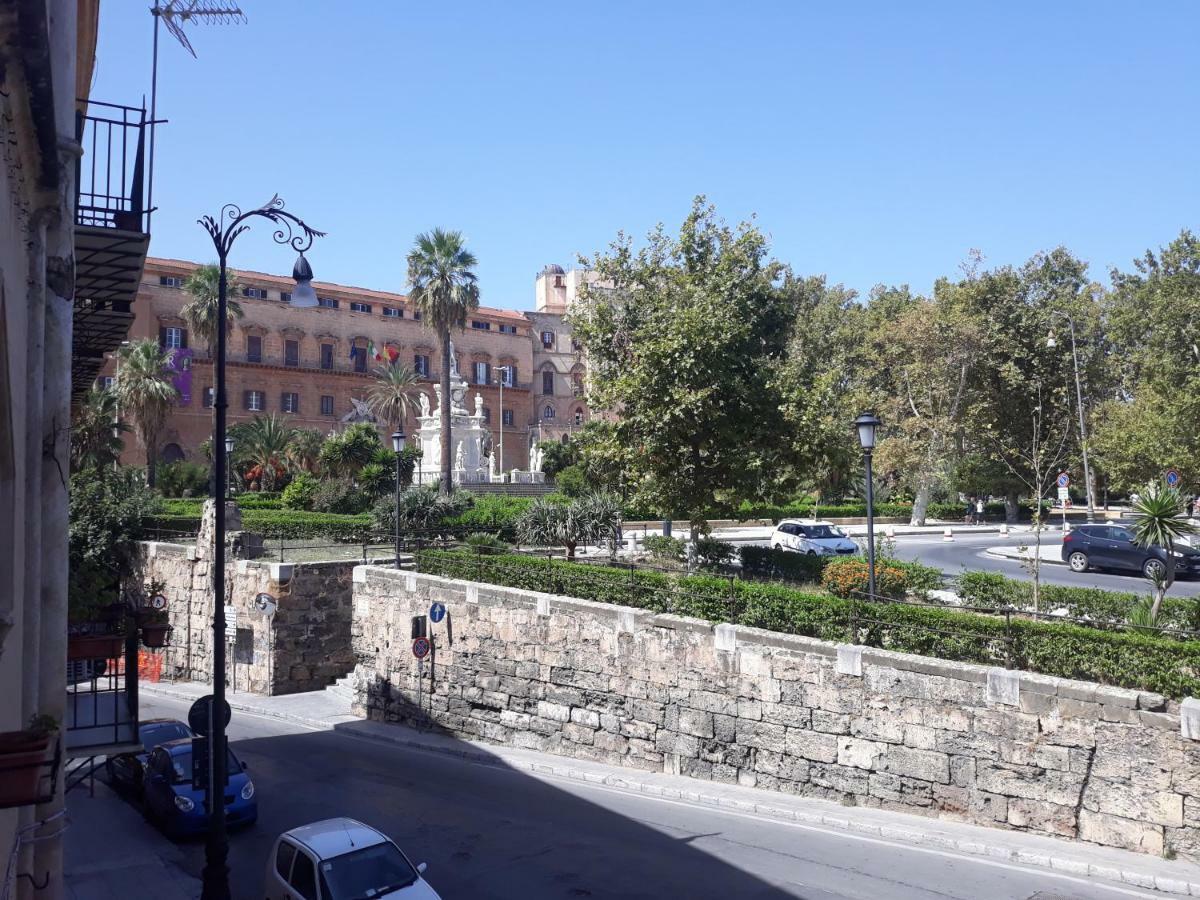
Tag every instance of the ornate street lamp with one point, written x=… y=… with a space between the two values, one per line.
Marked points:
x=398 y=447
x=866 y=425
x=1052 y=342
x=229 y=468
x=224 y=230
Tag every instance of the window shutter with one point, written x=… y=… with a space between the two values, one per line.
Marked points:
x=162 y=338
x=245 y=399
x=183 y=338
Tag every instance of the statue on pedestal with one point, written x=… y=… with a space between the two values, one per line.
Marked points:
x=423 y=400
x=478 y=406
x=460 y=457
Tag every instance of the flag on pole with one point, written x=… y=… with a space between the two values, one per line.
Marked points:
x=393 y=355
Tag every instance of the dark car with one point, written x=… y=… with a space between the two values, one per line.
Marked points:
x=170 y=801
x=125 y=771
x=1113 y=547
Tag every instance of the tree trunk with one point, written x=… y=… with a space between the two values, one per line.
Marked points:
x=570 y=551
x=1011 y=509
x=920 y=505
x=447 y=485
x=150 y=460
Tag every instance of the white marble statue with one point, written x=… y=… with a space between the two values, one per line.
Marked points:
x=437 y=390
x=423 y=400
x=460 y=458
x=536 y=459
x=453 y=360
x=495 y=464
x=478 y=406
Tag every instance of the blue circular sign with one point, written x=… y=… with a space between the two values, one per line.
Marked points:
x=421 y=647
x=1063 y=479
x=437 y=612
x=1172 y=477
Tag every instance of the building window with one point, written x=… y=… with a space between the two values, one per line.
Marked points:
x=208 y=398
x=481 y=326
x=506 y=418
x=548 y=412
x=326 y=405
x=360 y=358
x=327 y=302
x=170 y=281
x=547 y=382
x=416 y=315
x=289 y=401
x=548 y=339
x=285 y=296
x=253 y=348
x=172 y=338
x=575 y=345
x=507 y=374
x=255 y=293
x=577 y=385
x=558 y=282
x=421 y=365
x=105 y=382
x=291 y=353
x=578 y=417
x=327 y=356
x=355 y=306
x=392 y=312
x=508 y=329
x=482 y=372
x=487 y=416
x=255 y=401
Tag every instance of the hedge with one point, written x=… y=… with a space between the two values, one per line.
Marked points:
x=787 y=565
x=194 y=507
x=1131 y=660
x=276 y=523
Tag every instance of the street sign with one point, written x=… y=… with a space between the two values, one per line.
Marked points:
x=421 y=647
x=1064 y=480
x=437 y=612
x=198 y=714
x=230 y=622
x=158 y=601
x=265 y=604
x=1172 y=477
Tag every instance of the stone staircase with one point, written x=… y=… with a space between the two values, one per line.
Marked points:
x=512 y=490
x=343 y=688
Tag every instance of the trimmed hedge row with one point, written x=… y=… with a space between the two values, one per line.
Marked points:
x=1123 y=659
x=786 y=565
x=187 y=506
x=275 y=523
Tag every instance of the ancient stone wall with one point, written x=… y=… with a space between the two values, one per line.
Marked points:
x=732 y=704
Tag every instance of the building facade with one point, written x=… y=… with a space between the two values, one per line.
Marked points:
x=313 y=364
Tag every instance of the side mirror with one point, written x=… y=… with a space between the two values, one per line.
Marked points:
x=421 y=868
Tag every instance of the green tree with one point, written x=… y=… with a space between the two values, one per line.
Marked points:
x=1160 y=520
x=93 y=441
x=584 y=520
x=445 y=289
x=263 y=442
x=146 y=391
x=391 y=395
x=684 y=338
x=557 y=455
x=345 y=453
x=305 y=449
x=200 y=312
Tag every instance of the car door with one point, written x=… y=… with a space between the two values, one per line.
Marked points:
x=303 y=881
x=1125 y=554
x=158 y=795
x=279 y=887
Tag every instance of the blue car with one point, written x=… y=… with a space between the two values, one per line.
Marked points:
x=126 y=771
x=171 y=802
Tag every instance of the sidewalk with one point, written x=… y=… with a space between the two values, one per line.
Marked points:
x=320 y=709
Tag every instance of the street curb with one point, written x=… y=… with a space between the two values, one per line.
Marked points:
x=995 y=554
x=318 y=724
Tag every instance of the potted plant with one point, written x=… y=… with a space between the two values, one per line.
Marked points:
x=96 y=618
x=23 y=758
x=152 y=620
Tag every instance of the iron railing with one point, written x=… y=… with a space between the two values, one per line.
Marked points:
x=111 y=177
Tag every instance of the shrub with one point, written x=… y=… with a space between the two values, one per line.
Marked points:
x=258 y=501
x=182 y=479
x=287 y=523
x=920 y=579
x=422 y=509
x=301 y=493
x=484 y=542
x=782 y=565
x=849 y=576
x=712 y=553
x=340 y=495
x=571 y=481
x=662 y=547
x=493 y=512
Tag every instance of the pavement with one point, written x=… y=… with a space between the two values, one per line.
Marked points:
x=504 y=822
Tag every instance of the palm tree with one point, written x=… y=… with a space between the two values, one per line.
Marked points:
x=265 y=441
x=200 y=312
x=444 y=290
x=344 y=454
x=391 y=396
x=1160 y=520
x=95 y=431
x=146 y=391
x=305 y=449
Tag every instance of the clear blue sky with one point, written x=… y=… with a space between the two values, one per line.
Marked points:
x=875 y=142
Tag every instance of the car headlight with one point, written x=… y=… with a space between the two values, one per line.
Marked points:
x=184 y=804
x=248 y=790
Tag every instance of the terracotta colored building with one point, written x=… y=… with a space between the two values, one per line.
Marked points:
x=299 y=361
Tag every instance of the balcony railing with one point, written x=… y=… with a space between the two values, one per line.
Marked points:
x=111 y=174
x=102 y=701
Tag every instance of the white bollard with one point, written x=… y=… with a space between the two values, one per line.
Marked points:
x=890 y=531
x=1004 y=528
x=948 y=534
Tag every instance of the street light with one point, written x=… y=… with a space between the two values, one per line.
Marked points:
x=398 y=447
x=1051 y=342
x=229 y=467
x=224 y=230
x=866 y=425
x=505 y=374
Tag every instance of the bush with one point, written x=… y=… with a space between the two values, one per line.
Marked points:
x=301 y=493
x=286 y=523
x=258 y=501
x=340 y=495
x=571 y=481
x=849 y=576
x=482 y=541
x=712 y=553
x=492 y=512
x=662 y=547
x=182 y=479
x=422 y=509
x=782 y=565
x=920 y=579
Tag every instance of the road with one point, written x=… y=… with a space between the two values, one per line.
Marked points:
x=491 y=832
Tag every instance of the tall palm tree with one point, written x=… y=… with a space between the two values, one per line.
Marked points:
x=445 y=289
x=200 y=312
x=305 y=449
x=391 y=396
x=95 y=430
x=146 y=391
x=1160 y=520
x=265 y=443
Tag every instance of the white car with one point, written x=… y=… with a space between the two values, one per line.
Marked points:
x=341 y=859
x=812 y=537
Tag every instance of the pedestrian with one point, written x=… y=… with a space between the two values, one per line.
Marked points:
x=979 y=510
x=970 y=511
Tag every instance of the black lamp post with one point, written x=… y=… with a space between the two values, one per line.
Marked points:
x=229 y=468
x=398 y=447
x=224 y=230
x=866 y=425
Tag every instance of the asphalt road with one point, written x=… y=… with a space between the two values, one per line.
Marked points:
x=491 y=832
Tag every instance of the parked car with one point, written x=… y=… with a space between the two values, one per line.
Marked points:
x=1112 y=547
x=812 y=537
x=126 y=770
x=170 y=801
x=341 y=859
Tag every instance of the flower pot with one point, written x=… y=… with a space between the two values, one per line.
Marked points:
x=156 y=635
x=95 y=646
x=22 y=767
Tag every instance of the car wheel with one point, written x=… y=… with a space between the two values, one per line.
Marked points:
x=778 y=547
x=812 y=553
x=1153 y=568
x=1078 y=561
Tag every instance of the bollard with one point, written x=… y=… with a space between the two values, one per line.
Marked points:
x=1004 y=528
x=948 y=534
x=890 y=532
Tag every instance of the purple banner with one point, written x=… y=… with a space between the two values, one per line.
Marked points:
x=181 y=365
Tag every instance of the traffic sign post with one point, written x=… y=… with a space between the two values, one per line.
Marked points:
x=1064 y=480
x=1172 y=477
x=437 y=612
x=199 y=717
x=420 y=649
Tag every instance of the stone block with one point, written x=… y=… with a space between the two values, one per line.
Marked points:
x=725 y=728
x=585 y=717
x=1034 y=815
x=1029 y=783
x=1004 y=686
x=578 y=733
x=359 y=575
x=859 y=754
x=1128 y=802
x=555 y=712
x=1189 y=718
x=811 y=745
x=849 y=660
x=832 y=723
x=725 y=638
x=749 y=709
x=695 y=722
x=927 y=765
x=1113 y=831
x=839 y=779
x=763 y=735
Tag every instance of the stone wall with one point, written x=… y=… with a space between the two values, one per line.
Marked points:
x=731 y=704
x=305 y=646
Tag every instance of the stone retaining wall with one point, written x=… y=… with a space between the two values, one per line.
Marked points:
x=733 y=704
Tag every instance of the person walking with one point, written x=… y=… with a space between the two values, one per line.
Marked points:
x=979 y=507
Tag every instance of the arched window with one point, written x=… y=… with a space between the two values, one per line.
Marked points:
x=548 y=412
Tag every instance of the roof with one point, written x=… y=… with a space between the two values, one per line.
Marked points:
x=333 y=837
x=286 y=282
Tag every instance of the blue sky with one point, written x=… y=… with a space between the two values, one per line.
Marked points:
x=875 y=142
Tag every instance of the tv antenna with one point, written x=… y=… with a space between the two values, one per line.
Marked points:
x=175 y=14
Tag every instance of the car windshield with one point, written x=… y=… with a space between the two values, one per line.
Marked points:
x=182 y=764
x=367 y=873
x=153 y=735
x=820 y=532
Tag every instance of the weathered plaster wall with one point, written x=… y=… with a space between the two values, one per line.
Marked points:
x=792 y=714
